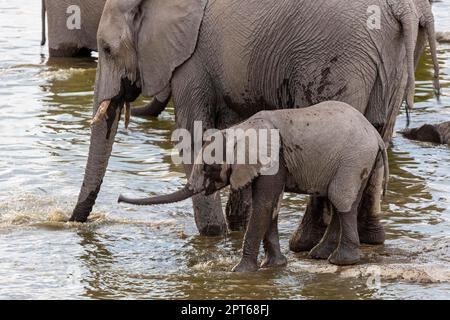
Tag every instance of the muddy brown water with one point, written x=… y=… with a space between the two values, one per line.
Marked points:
x=45 y=107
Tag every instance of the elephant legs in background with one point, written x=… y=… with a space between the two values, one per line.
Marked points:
x=238 y=209
x=215 y=224
x=312 y=227
x=70 y=52
x=208 y=212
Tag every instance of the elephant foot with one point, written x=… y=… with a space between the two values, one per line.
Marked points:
x=371 y=233
x=245 y=266
x=213 y=230
x=345 y=256
x=274 y=261
x=323 y=250
x=306 y=239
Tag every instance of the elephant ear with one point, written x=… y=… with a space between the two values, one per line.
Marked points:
x=263 y=162
x=242 y=175
x=167 y=38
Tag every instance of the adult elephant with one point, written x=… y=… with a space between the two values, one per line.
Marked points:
x=225 y=60
x=72 y=26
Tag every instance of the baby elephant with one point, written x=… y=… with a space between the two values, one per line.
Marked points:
x=328 y=150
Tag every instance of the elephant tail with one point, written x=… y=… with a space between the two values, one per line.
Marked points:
x=177 y=196
x=410 y=26
x=43 y=10
x=410 y=34
x=384 y=155
x=431 y=34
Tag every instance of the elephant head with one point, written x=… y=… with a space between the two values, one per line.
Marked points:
x=209 y=178
x=140 y=43
x=417 y=21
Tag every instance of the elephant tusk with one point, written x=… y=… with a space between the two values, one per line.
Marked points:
x=101 y=112
x=127 y=108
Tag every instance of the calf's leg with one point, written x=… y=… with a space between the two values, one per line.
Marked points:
x=266 y=192
x=273 y=256
x=330 y=240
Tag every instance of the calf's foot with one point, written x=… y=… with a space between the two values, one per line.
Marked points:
x=345 y=256
x=371 y=232
x=329 y=242
x=245 y=265
x=322 y=251
x=273 y=261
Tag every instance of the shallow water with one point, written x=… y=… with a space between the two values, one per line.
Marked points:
x=45 y=108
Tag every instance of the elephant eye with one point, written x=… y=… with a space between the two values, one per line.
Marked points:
x=107 y=49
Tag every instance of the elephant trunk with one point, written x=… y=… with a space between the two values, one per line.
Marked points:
x=177 y=196
x=103 y=133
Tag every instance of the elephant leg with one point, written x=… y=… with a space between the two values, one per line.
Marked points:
x=194 y=100
x=239 y=204
x=347 y=251
x=208 y=213
x=312 y=227
x=271 y=243
x=68 y=51
x=238 y=209
x=329 y=241
x=370 y=230
x=266 y=192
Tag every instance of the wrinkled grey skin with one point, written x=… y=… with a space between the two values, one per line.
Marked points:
x=328 y=150
x=225 y=60
x=436 y=133
x=70 y=43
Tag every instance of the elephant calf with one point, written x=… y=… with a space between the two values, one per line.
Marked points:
x=327 y=150
x=437 y=133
